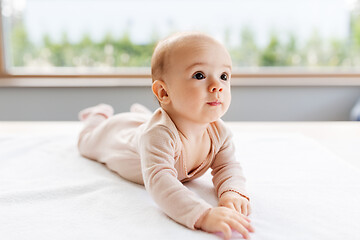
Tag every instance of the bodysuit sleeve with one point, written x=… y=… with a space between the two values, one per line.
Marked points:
x=226 y=170
x=157 y=152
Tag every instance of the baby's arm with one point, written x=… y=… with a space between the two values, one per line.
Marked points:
x=228 y=178
x=160 y=178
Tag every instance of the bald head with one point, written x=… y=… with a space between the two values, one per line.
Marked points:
x=160 y=58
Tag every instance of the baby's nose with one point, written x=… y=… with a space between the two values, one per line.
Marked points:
x=215 y=89
x=215 y=86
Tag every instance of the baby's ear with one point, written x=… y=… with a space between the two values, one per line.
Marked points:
x=159 y=89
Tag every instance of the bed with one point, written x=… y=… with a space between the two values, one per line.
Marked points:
x=303 y=179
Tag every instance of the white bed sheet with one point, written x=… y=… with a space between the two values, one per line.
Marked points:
x=298 y=188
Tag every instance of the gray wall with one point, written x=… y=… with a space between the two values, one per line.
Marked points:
x=248 y=103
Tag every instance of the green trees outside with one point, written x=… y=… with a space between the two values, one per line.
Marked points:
x=122 y=52
x=109 y=52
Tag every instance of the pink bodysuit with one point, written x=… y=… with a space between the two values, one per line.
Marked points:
x=147 y=149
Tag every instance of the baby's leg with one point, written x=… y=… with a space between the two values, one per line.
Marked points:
x=111 y=140
x=136 y=107
x=101 y=109
x=90 y=136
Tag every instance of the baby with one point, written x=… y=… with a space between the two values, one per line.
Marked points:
x=181 y=140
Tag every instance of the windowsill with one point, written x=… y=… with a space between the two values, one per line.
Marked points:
x=141 y=76
x=74 y=82
x=91 y=81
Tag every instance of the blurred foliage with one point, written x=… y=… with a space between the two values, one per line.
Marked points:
x=122 y=52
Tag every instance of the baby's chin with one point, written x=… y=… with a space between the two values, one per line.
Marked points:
x=219 y=114
x=215 y=118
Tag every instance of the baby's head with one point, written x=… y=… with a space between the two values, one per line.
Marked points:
x=191 y=77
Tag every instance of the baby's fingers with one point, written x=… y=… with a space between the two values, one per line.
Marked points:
x=226 y=230
x=244 y=221
x=244 y=217
x=244 y=209
x=248 y=209
x=239 y=228
x=238 y=207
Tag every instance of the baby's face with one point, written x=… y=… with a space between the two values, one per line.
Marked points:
x=198 y=80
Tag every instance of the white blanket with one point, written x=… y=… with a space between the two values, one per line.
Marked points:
x=299 y=190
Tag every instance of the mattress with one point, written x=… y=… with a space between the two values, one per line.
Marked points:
x=299 y=189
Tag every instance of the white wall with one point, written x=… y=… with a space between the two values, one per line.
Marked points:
x=248 y=103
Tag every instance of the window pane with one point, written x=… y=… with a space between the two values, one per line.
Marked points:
x=103 y=34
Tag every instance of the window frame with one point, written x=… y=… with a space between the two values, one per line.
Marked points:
x=2 y=54
x=260 y=76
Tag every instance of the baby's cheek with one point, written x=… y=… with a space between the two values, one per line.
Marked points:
x=228 y=97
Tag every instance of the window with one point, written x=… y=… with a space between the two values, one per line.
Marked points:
x=118 y=36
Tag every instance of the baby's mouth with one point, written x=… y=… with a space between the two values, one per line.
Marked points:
x=214 y=103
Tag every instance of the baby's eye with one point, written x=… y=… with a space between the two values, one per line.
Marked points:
x=224 y=77
x=198 y=76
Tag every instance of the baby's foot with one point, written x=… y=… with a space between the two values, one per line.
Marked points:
x=101 y=109
x=136 y=107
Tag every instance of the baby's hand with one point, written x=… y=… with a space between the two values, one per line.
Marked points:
x=235 y=201
x=221 y=219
